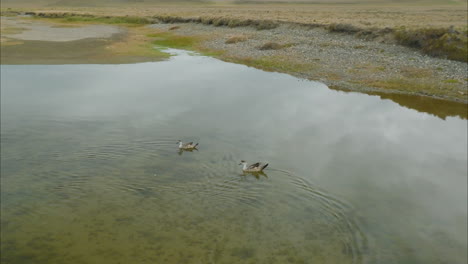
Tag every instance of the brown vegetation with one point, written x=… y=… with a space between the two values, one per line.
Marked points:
x=273 y=46
x=440 y=42
x=236 y=39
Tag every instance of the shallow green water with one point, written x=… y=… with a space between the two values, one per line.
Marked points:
x=90 y=171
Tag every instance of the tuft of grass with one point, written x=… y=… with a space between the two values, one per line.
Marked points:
x=273 y=46
x=342 y=28
x=238 y=23
x=218 y=22
x=270 y=46
x=359 y=47
x=265 y=24
x=437 y=42
x=236 y=39
x=451 y=81
x=206 y=20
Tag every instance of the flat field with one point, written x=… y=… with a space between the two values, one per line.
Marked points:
x=365 y=14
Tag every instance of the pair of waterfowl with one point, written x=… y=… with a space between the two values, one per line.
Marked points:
x=256 y=167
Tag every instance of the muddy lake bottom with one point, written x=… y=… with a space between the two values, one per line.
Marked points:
x=91 y=172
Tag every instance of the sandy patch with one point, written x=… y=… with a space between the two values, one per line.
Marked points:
x=37 y=42
x=49 y=32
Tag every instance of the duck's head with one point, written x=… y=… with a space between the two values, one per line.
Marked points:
x=179 y=141
x=242 y=162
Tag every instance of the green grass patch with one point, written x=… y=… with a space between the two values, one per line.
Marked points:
x=274 y=63
x=451 y=81
x=166 y=39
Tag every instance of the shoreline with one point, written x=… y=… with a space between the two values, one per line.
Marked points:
x=341 y=61
x=336 y=58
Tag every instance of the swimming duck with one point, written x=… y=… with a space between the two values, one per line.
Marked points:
x=187 y=146
x=256 y=167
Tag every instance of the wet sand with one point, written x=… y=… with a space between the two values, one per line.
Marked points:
x=37 y=30
x=35 y=42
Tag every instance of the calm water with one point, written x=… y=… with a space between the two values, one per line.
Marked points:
x=90 y=171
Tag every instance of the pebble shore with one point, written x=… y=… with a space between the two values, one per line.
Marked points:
x=339 y=60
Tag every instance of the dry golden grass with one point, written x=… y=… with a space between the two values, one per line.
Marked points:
x=412 y=23
x=360 y=15
x=271 y=46
x=236 y=39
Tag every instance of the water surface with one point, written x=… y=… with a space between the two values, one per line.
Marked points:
x=90 y=171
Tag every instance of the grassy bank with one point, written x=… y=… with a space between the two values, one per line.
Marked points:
x=418 y=82
x=449 y=43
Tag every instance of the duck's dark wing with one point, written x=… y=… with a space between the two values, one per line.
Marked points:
x=253 y=166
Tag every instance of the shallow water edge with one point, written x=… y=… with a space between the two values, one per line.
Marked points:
x=206 y=39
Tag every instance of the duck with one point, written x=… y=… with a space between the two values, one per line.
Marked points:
x=187 y=146
x=256 y=167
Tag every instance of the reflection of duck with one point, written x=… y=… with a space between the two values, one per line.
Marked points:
x=255 y=174
x=185 y=150
x=187 y=146
x=256 y=167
